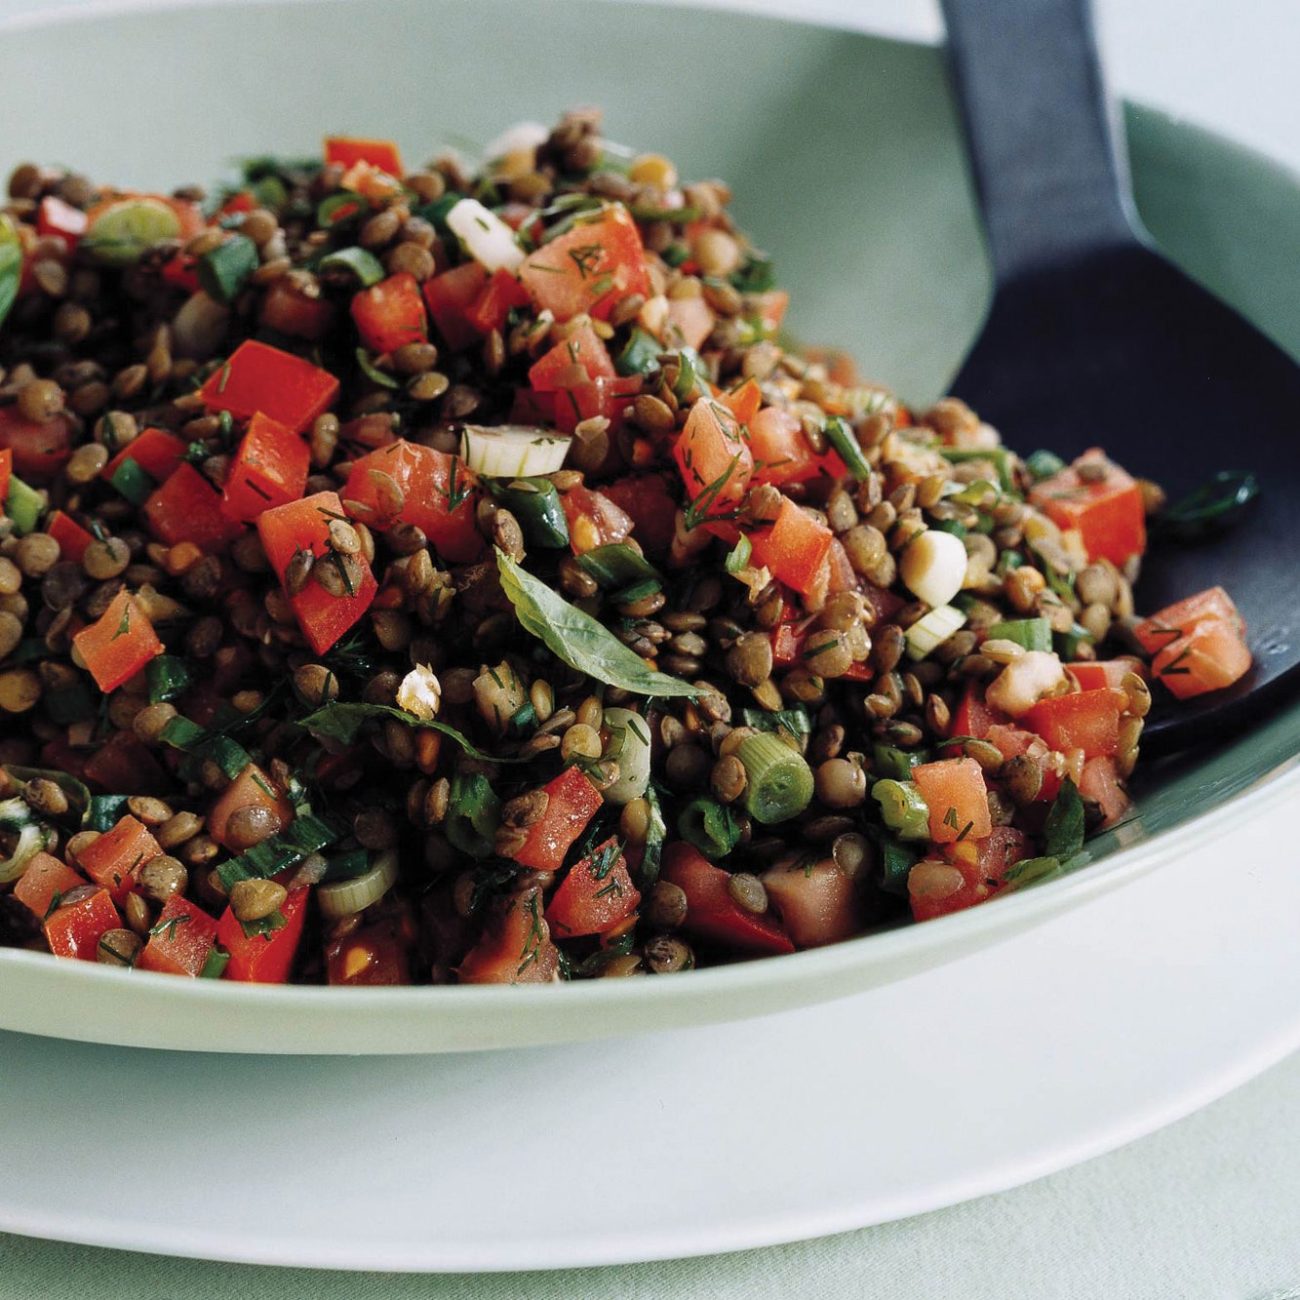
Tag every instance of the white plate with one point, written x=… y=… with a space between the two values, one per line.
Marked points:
x=1092 y=1030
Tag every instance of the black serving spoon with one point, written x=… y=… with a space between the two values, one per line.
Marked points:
x=1094 y=339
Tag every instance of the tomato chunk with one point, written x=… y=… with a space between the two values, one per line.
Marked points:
x=582 y=351
x=1165 y=626
x=258 y=377
x=490 y=309
x=1086 y=720
x=75 y=929
x=450 y=298
x=304 y=526
x=690 y=322
x=155 y=451
x=181 y=941
x=118 y=644
x=594 y=520
x=115 y=859
x=647 y=500
x=588 y=268
x=596 y=894
x=377 y=954
x=1209 y=657
x=1103 y=503
x=269 y=469
x=571 y=802
x=45 y=880
x=516 y=946
x=954 y=791
x=187 y=508
x=818 y=904
x=264 y=958
x=348 y=150
x=1097 y=673
x=714 y=459
x=390 y=314
x=1100 y=782
x=794 y=548
x=711 y=912
x=6 y=473
x=252 y=788
x=38 y=450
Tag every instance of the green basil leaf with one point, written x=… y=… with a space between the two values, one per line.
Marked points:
x=11 y=265
x=1063 y=830
x=342 y=722
x=578 y=639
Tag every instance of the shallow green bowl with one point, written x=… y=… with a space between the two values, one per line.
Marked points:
x=846 y=163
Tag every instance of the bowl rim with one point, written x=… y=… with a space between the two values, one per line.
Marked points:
x=815 y=966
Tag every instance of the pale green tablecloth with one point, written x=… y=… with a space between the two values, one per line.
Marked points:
x=1207 y=1210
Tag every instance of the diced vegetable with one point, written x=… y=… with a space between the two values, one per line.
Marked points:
x=818 y=902
x=596 y=894
x=571 y=802
x=712 y=914
x=1209 y=657
x=155 y=451
x=269 y=469
x=44 y=881
x=1163 y=628
x=780 y=450
x=187 y=508
x=258 y=377
x=931 y=630
x=903 y=808
x=715 y=461
x=70 y=535
x=490 y=310
x=39 y=450
x=24 y=506
x=267 y=955
x=118 y=644
x=535 y=503
x=516 y=946
x=74 y=929
x=339 y=898
x=121 y=229
x=224 y=270
x=794 y=548
x=1102 y=503
x=6 y=471
x=304 y=526
x=1030 y=633
x=450 y=297
x=376 y=954
x=512 y=451
x=115 y=859
x=487 y=239
x=933 y=565
x=181 y=940
x=582 y=353
x=710 y=826
x=629 y=746
x=348 y=150
x=252 y=789
x=588 y=268
x=1101 y=784
x=690 y=322
x=286 y=309
x=594 y=519
x=390 y=314
x=955 y=793
x=778 y=780
x=1086 y=720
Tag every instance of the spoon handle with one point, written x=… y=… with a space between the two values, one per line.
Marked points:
x=1051 y=182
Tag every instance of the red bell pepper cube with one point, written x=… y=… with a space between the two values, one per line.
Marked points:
x=269 y=469
x=38 y=450
x=123 y=765
x=647 y=500
x=572 y=801
x=973 y=716
x=955 y=793
x=490 y=309
x=70 y=535
x=1086 y=720
x=118 y=644
x=115 y=859
x=596 y=895
x=1105 y=507
x=252 y=788
x=155 y=451
x=439 y=495
x=1167 y=625
x=75 y=929
x=565 y=365
x=264 y=958
x=304 y=526
x=44 y=880
x=794 y=548
x=55 y=217
x=187 y=508
x=258 y=377
x=450 y=297
x=348 y=150
x=6 y=473
x=714 y=459
x=390 y=314
x=515 y=947
x=181 y=941
x=588 y=268
x=594 y=520
x=711 y=912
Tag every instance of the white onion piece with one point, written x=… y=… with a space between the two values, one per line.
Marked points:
x=512 y=450
x=629 y=747
x=933 y=566
x=348 y=897
x=487 y=239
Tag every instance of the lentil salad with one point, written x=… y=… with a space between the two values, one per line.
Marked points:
x=447 y=576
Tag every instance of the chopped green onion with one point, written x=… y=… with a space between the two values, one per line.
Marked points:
x=215 y=966
x=890 y=761
x=794 y=722
x=203 y=745
x=1007 y=561
x=616 y=564
x=756 y=274
x=535 y=503
x=999 y=457
x=342 y=207
x=105 y=811
x=24 y=505
x=845 y=441
x=223 y=271
x=629 y=747
x=1067 y=644
x=167 y=677
x=692 y=376
x=903 y=808
x=473 y=813
x=1043 y=464
x=637 y=591
x=346 y=866
x=710 y=826
x=348 y=897
x=896 y=861
x=306 y=834
x=361 y=264
x=778 y=781
x=1031 y=633
x=640 y=355
x=132 y=482
x=1212 y=507
x=739 y=556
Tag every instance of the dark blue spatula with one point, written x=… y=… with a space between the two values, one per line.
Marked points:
x=1094 y=339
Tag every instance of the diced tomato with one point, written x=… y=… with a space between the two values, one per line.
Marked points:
x=1086 y=720
x=1013 y=742
x=771 y=309
x=55 y=217
x=155 y=451
x=118 y=644
x=44 y=879
x=38 y=450
x=377 y=954
x=690 y=322
x=1100 y=782
x=842 y=576
x=439 y=496
x=605 y=396
x=374 y=184
x=594 y=520
x=596 y=894
x=1094 y=675
x=258 y=377
x=787 y=644
x=572 y=801
x=781 y=452
x=123 y=765
x=347 y=150
x=712 y=913
x=490 y=309
x=288 y=310
x=794 y=548
x=818 y=904
x=187 y=508
x=390 y=314
x=450 y=297
x=1107 y=512
x=647 y=499
x=588 y=268
x=744 y=402
x=714 y=459
x=252 y=788
x=1165 y=627
x=6 y=473
x=973 y=716
x=516 y=945
x=1209 y=657
x=304 y=525
x=264 y=958
x=269 y=469
x=954 y=791
x=75 y=929
x=181 y=941
x=582 y=350
x=115 y=859
x=240 y=201
x=181 y=271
